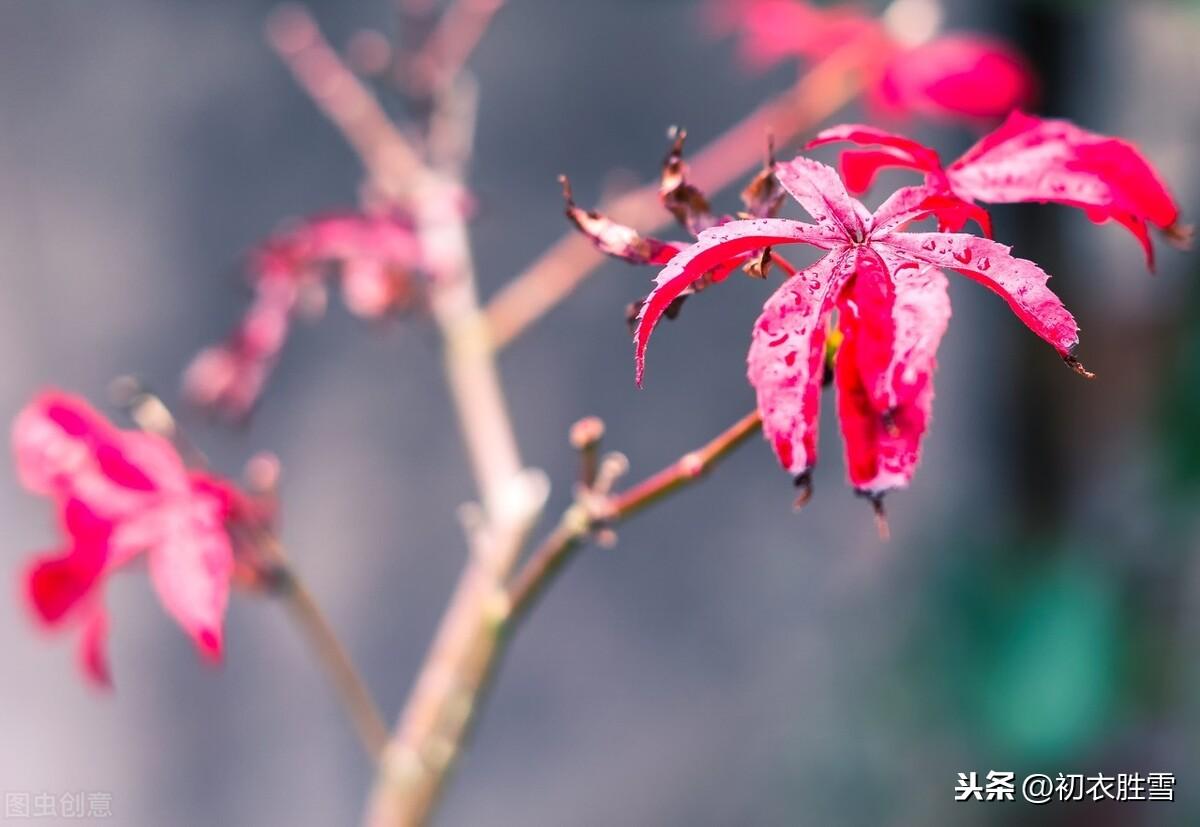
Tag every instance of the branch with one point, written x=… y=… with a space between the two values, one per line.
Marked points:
x=584 y=517
x=823 y=90
x=334 y=659
x=439 y=710
x=433 y=725
x=390 y=159
x=451 y=44
x=475 y=628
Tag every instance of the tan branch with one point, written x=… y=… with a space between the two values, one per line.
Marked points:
x=439 y=709
x=391 y=161
x=335 y=661
x=451 y=44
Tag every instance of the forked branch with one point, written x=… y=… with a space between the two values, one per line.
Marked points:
x=595 y=510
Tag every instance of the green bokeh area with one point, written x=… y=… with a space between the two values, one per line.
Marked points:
x=1036 y=652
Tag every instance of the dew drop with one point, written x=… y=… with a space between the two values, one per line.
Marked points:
x=984 y=263
x=929 y=245
x=963 y=255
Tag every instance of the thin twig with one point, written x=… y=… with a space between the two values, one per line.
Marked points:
x=331 y=654
x=390 y=159
x=822 y=91
x=684 y=471
x=582 y=518
x=450 y=45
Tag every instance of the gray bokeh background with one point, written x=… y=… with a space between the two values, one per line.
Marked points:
x=730 y=661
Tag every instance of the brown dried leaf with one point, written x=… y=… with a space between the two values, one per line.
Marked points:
x=763 y=196
x=615 y=239
x=684 y=201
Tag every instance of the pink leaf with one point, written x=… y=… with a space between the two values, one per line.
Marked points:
x=962 y=76
x=65 y=449
x=191 y=566
x=121 y=494
x=713 y=249
x=823 y=195
x=773 y=30
x=893 y=321
x=881 y=451
x=1019 y=282
x=1030 y=159
x=890 y=149
x=787 y=356
x=902 y=207
x=374 y=255
x=895 y=312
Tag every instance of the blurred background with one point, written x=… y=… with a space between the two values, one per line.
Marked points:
x=1038 y=608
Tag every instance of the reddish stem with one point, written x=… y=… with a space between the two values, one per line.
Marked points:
x=579 y=521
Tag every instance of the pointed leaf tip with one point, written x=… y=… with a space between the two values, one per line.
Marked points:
x=209 y=642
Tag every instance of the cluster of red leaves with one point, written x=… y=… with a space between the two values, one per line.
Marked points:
x=374 y=257
x=1026 y=159
x=762 y=198
x=121 y=496
x=884 y=284
x=953 y=76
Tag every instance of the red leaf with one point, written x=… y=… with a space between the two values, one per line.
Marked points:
x=122 y=494
x=58 y=583
x=893 y=321
x=772 y=30
x=891 y=297
x=1026 y=159
x=820 y=191
x=374 y=255
x=1030 y=159
x=891 y=149
x=963 y=76
x=786 y=361
x=716 y=250
x=882 y=451
x=1019 y=282
x=191 y=566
